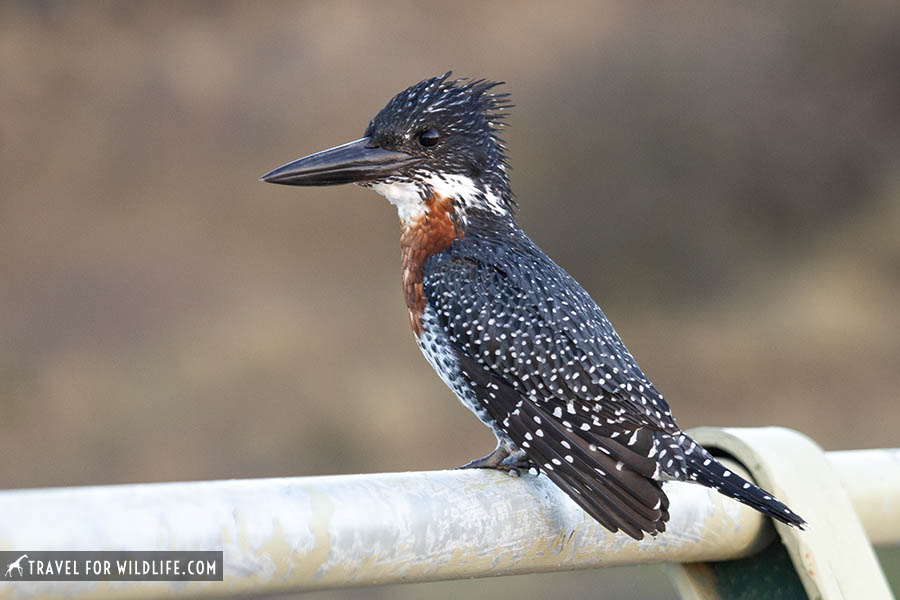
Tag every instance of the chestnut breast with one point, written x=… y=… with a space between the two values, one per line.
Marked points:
x=431 y=233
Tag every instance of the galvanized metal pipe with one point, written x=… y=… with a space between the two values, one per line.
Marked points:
x=872 y=480
x=297 y=534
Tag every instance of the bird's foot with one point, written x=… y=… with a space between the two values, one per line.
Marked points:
x=502 y=459
x=491 y=461
x=517 y=463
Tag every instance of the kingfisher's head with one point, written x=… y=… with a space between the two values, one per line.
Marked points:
x=438 y=137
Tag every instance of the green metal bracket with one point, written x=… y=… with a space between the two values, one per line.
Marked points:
x=768 y=575
x=833 y=559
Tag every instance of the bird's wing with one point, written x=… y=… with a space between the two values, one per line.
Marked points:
x=615 y=495
x=549 y=368
x=527 y=321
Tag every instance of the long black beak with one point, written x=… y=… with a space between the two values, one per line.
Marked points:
x=351 y=163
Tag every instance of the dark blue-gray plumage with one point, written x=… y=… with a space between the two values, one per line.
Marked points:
x=518 y=340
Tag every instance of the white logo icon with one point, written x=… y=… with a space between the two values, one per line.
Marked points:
x=15 y=565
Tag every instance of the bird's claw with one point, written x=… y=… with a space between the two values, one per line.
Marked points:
x=502 y=459
x=516 y=463
x=491 y=461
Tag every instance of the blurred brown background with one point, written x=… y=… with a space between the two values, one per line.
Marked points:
x=722 y=178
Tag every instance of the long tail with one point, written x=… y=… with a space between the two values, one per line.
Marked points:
x=700 y=466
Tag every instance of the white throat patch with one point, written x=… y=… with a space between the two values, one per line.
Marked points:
x=409 y=197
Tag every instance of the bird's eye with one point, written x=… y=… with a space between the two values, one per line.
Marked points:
x=429 y=137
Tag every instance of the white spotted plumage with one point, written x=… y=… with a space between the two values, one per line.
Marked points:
x=438 y=352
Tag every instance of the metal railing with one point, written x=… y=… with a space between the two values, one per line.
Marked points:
x=312 y=533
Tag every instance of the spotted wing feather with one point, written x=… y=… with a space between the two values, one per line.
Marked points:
x=594 y=476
